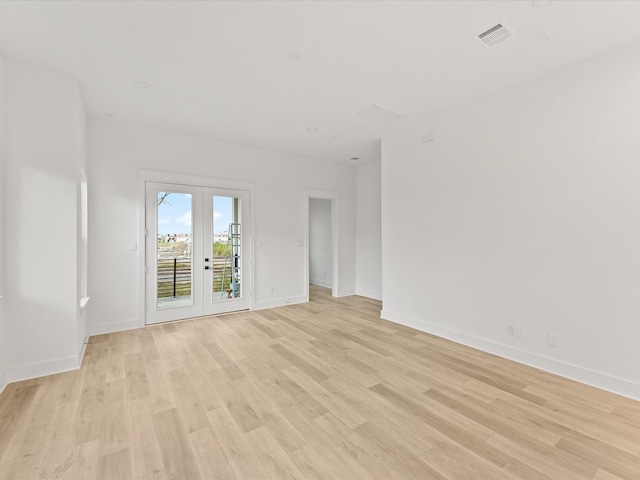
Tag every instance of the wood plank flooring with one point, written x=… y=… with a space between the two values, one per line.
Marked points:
x=324 y=390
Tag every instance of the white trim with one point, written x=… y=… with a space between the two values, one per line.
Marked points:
x=281 y=302
x=193 y=180
x=320 y=283
x=600 y=380
x=141 y=255
x=41 y=369
x=374 y=294
x=83 y=349
x=347 y=293
x=334 y=196
x=252 y=249
x=111 y=327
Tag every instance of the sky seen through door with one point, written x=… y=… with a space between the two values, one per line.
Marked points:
x=174 y=214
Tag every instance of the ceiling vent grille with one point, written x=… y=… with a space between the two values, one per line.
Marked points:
x=496 y=34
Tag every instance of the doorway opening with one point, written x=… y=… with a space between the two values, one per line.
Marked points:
x=322 y=241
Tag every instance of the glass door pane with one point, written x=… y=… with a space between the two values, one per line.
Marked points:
x=226 y=278
x=174 y=279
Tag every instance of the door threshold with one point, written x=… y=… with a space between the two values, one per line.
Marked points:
x=197 y=318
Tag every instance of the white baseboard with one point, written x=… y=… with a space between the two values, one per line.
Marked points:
x=347 y=292
x=600 y=380
x=320 y=283
x=41 y=369
x=374 y=294
x=83 y=348
x=111 y=327
x=280 y=302
x=3 y=380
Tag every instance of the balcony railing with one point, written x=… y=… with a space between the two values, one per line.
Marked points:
x=174 y=276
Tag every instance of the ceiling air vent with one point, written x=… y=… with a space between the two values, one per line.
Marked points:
x=496 y=34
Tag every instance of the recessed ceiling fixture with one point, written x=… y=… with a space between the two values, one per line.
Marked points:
x=353 y=159
x=494 y=35
x=428 y=137
x=295 y=55
x=312 y=129
x=540 y=3
x=543 y=36
x=379 y=114
x=142 y=85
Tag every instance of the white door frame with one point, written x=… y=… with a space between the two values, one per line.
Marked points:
x=334 y=196
x=145 y=176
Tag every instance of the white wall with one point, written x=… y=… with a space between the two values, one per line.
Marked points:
x=525 y=211
x=320 y=251
x=369 y=230
x=117 y=151
x=44 y=151
x=3 y=341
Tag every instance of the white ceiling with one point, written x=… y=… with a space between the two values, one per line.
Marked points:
x=224 y=69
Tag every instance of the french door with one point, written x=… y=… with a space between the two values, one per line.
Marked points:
x=197 y=251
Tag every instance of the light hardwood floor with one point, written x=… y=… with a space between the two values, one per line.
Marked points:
x=324 y=390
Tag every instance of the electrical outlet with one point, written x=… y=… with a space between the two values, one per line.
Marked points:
x=511 y=329
x=270 y=290
x=553 y=339
x=520 y=332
